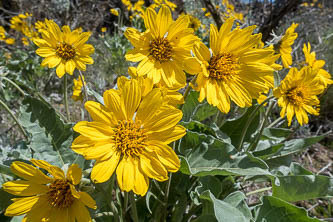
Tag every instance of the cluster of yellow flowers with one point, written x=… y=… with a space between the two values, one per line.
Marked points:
x=130 y=133
x=22 y=24
x=227 y=11
x=312 y=3
x=297 y=93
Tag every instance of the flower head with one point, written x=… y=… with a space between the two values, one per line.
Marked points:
x=172 y=96
x=130 y=135
x=297 y=94
x=77 y=89
x=40 y=25
x=234 y=68
x=114 y=12
x=283 y=47
x=64 y=49
x=52 y=197
x=194 y=22
x=310 y=58
x=162 y=48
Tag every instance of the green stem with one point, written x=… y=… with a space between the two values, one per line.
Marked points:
x=254 y=145
x=85 y=90
x=65 y=97
x=187 y=90
x=249 y=120
x=15 y=119
x=275 y=122
x=166 y=197
x=125 y=205
x=258 y=191
x=133 y=207
x=14 y=84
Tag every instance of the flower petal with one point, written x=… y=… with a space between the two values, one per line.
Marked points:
x=24 y=188
x=29 y=172
x=74 y=174
x=21 y=206
x=103 y=170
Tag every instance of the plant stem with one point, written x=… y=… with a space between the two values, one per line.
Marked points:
x=133 y=207
x=14 y=84
x=258 y=191
x=275 y=122
x=187 y=90
x=166 y=197
x=261 y=129
x=15 y=119
x=65 y=97
x=125 y=205
x=85 y=90
x=249 y=120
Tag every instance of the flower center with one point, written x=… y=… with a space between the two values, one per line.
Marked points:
x=60 y=194
x=223 y=66
x=295 y=96
x=130 y=137
x=160 y=49
x=65 y=51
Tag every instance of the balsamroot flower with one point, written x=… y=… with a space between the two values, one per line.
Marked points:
x=77 y=89
x=283 y=47
x=297 y=94
x=48 y=198
x=162 y=48
x=234 y=68
x=310 y=59
x=64 y=49
x=130 y=135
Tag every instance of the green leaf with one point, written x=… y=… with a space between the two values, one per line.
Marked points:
x=234 y=127
x=193 y=110
x=224 y=211
x=276 y=210
x=289 y=147
x=302 y=187
x=50 y=137
x=205 y=155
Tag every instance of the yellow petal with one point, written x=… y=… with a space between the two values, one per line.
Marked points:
x=45 y=51
x=166 y=155
x=74 y=174
x=93 y=130
x=167 y=117
x=100 y=113
x=24 y=188
x=126 y=174
x=21 y=206
x=112 y=102
x=103 y=170
x=163 y=20
x=131 y=97
x=170 y=135
x=152 y=167
x=149 y=20
x=29 y=172
x=70 y=66
x=51 y=61
x=149 y=105
x=87 y=200
x=60 y=69
x=81 y=212
x=141 y=181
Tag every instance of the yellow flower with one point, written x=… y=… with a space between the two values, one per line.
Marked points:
x=77 y=89
x=48 y=198
x=194 y=22
x=25 y=41
x=230 y=11
x=40 y=25
x=283 y=47
x=207 y=14
x=161 y=50
x=10 y=41
x=18 y=23
x=130 y=134
x=114 y=12
x=2 y=33
x=233 y=68
x=64 y=49
x=297 y=94
x=310 y=59
x=172 y=96
x=103 y=29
